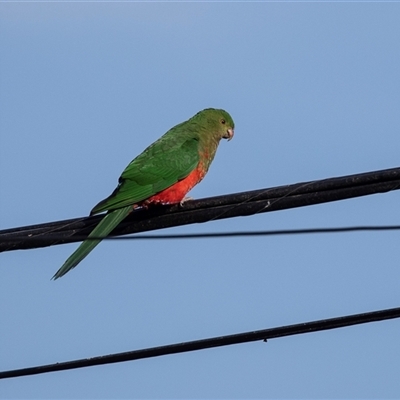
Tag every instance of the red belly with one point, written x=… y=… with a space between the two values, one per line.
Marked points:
x=177 y=192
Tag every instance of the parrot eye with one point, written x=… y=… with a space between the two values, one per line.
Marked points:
x=223 y=121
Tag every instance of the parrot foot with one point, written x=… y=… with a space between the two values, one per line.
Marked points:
x=184 y=200
x=146 y=204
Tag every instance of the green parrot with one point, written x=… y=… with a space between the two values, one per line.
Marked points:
x=162 y=174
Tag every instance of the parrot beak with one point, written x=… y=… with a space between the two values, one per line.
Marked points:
x=229 y=134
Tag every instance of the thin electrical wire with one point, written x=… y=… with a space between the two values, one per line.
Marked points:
x=239 y=204
x=251 y=336
x=220 y=235
x=205 y=210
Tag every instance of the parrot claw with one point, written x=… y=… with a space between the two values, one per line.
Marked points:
x=184 y=200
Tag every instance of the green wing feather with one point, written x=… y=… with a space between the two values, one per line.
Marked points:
x=165 y=162
x=105 y=226
x=161 y=165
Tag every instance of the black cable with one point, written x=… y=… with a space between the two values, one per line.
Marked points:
x=196 y=211
x=216 y=235
x=265 y=334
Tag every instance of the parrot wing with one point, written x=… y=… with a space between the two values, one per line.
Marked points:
x=160 y=166
x=157 y=168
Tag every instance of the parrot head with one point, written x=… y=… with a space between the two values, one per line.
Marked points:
x=217 y=122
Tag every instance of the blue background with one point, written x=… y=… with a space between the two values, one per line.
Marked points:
x=314 y=90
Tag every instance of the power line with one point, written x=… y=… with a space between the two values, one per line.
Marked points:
x=265 y=334
x=216 y=235
x=204 y=210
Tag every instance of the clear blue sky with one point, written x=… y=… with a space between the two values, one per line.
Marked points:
x=314 y=90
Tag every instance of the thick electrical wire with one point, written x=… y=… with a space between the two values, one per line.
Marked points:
x=205 y=210
x=264 y=335
x=239 y=204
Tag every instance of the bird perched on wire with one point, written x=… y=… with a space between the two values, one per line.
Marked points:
x=163 y=174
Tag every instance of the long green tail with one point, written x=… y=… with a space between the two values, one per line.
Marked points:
x=105 y=226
